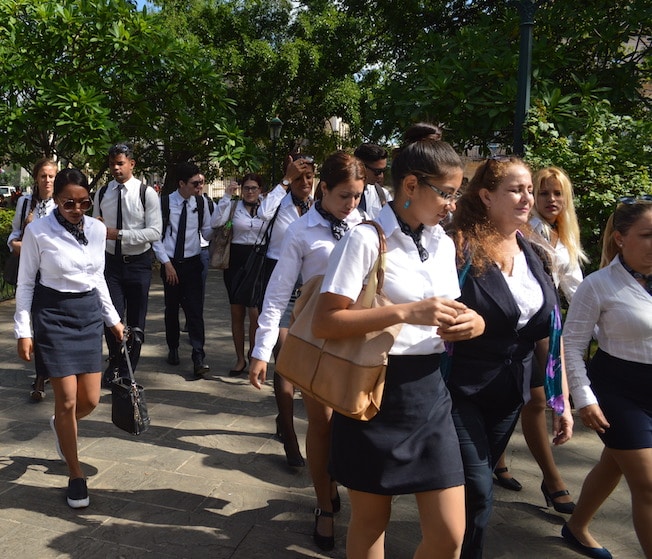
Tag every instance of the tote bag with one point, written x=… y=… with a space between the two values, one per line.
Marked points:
x=219 y=249
x=347 y=374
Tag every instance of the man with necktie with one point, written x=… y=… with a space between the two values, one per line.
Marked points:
x=374 y=196
x=132 y=215
x=185 y=221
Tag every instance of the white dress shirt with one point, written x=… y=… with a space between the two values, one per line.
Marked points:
x=65 y=266
x=407 y=279
x=246 y=229
x=567 y=275
x=140 y=226
x=372 y=199
x=16 y=225
x=164 y=248
x=288 y=213
x=619 y=306
x=306 y=246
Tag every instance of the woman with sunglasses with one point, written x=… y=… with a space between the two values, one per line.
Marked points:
x=62 y=296
x=246 y=226
x=29 y=207
x=507 y=284
x=613 y=394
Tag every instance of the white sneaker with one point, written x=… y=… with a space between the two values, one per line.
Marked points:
x=56 y=440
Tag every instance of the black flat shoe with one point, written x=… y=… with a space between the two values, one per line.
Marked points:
x=325 y=543
x=564 y=508
x=506 y=482
x=595 y=552
x=173 y=357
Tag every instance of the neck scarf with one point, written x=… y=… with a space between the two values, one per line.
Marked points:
x=41 y=207
x=303 y=205
x=251 y=207
x=338 y=226
x=414 y=235
x=637 y=275
x=76 y=231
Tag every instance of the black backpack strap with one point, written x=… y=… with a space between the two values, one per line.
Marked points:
x=381 y=194
x=165 y=213
x=100 y=196
x=143 y=190
x=200 y=211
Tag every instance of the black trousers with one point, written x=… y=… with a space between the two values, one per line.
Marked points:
x=189 y=295
x=128 y=279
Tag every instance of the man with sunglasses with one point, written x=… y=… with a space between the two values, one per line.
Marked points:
x=132 y=215
x=375 y=196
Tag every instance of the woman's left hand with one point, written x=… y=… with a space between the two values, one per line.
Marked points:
x=25 y=348
x=468 y=324
x=118 y=331
x=562 y=425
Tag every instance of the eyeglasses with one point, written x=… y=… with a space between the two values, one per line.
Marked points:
x=448 y=196
x=250 y=188
x=376 y=172
x=196 y=183
x=71 y=205
x=645 y=198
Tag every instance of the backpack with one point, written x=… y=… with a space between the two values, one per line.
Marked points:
x=165 y=212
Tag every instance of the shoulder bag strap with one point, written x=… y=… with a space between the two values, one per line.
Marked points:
x=377 y=274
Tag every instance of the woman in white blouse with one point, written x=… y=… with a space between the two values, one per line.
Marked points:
x=285 y=204
x=614 y=393
x=62 y=296
x=246 y=226
x=29 y=207
x=307 y=243
x=410 y=446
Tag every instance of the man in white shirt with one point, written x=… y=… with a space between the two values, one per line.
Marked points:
x=375 y=196
x=132 y=215
x=186 y=219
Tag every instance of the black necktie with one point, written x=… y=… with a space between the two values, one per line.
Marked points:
x=118 y=223
x=181 y=233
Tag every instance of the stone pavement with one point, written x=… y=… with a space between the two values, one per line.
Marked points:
x=209 y=478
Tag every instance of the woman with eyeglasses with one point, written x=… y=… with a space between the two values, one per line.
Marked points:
x=246 y=226
x=410 y=446
x=613 y=394
x=62 y=296
x=507 y=284
x=30 y=207
x=555 y=226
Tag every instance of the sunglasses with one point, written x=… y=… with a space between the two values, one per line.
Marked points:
x=645 y=198
x=448 y=196
x=376 y=172
x=71 y=205
x=196 y=183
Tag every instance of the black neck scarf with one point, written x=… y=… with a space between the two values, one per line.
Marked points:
x=338 y=226
x=637 y=275
x=414 y=235
x=252 y=207
x=76 y=231
x=303 y=205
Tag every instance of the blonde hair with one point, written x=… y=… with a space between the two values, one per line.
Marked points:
x=566 y=225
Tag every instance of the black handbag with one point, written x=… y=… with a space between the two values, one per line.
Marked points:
x=250 y=281
x=10 y=272
x=128 y=405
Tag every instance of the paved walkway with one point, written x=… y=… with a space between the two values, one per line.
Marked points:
x=209 y=479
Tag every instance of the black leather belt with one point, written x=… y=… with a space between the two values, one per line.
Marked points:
x=127 y=258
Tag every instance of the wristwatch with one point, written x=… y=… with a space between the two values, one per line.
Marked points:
x=119 y=235
x=286 y=183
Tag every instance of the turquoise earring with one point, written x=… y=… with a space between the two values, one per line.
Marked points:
x=407 y=204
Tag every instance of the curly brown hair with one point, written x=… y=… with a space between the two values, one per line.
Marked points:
x=472 y=231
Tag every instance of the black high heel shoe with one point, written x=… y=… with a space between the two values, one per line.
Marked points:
x=325 y=543
x=506 y=482
x=564 y=508
x=294 y=461
x=594 y=552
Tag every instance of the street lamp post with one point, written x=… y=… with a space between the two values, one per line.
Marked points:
x=275 y=126
x=526 y=9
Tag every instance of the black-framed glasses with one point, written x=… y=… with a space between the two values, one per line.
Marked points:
x=70 y=205
x=250 y=188
x=376 y=172
x=645 y=198
x=448 y=196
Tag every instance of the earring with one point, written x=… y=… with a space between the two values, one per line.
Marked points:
x=407 y=204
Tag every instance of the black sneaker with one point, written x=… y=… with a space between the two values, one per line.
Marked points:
x=78 y=493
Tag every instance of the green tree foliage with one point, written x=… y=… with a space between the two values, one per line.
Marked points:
x=79 y=75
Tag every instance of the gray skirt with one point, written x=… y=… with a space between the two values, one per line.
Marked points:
x=68 y=330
